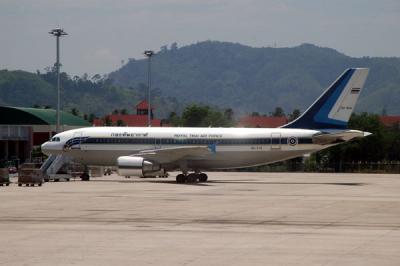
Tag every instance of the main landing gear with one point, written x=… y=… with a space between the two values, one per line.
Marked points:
x=85 y=177
x=191 y=178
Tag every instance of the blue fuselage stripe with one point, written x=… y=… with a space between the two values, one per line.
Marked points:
x=172 y=141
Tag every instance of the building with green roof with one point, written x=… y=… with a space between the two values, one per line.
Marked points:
x=37 y=116
x=22 y=129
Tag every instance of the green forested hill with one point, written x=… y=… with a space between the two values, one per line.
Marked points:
x=97 y=95
x=259 y=79
x=221 y=74
x=20 y=88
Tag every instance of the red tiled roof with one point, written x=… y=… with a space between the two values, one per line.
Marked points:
x=262 y=121
x=129 y=120
x=390 y=120
x=143 y=105
x=98 y=122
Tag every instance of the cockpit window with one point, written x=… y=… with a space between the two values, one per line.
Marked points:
x=55 y=139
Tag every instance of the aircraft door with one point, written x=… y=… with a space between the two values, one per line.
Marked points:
x=77 y=139
x=275 y=141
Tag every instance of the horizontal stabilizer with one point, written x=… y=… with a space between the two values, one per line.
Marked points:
x=325 y=138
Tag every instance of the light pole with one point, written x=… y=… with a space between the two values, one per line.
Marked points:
x=58 y=33
x=149 y=54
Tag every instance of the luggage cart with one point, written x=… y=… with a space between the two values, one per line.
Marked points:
x=30 y=177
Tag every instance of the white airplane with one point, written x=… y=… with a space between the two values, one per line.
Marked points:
x=150 y=151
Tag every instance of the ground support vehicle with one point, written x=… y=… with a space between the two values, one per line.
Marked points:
x=29 y=175
x=4 y=177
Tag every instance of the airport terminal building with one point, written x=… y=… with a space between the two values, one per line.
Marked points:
x=22 y=129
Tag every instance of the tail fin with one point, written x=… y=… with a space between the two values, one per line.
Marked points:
x=332 y=110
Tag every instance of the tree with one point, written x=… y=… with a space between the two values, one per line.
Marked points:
x=194 y=116
x=85 y=76
x=115 y=112
x=228 y=113
x=278 y=112
x=96 y=78
x=174 y=46
x=295 y=114
x=107 y=121
x=120 y=123
x=204 y=116
x=123 y=111
x=163 y=49
x=91 y=117
x=75 y=111
x=174 y=120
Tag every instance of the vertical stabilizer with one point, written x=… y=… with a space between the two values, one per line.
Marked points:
x=332 y=110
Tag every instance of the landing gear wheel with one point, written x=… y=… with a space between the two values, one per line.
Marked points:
x=203 y=177
x=85 y=177
x=180 y=179
x=192 y=178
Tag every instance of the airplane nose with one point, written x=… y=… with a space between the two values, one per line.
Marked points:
x=45 y=148
x=50 y=148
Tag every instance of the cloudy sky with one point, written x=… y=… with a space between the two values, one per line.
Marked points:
x=104 y=32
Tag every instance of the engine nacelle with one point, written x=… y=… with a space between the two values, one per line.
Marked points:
x=137 y=166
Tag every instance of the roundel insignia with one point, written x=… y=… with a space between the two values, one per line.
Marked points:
x=292 y=141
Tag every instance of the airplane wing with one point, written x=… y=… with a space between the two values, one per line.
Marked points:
x=168 y=155
x=325 y=138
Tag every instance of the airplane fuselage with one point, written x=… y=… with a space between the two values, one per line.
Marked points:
x=229 y=147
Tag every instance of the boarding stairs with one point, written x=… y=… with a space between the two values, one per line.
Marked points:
x=52 y=166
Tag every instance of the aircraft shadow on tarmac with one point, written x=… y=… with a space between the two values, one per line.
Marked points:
x=288 y=183
x=150 y=181
x=152 y=223
x=211 y=182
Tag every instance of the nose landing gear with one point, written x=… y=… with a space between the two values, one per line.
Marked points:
x=203 y=177
x=181 y=178
x=191 y=178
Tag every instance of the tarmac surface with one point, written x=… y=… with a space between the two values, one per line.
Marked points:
x=235 y=219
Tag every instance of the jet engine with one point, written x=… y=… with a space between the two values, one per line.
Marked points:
x=137 y=166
